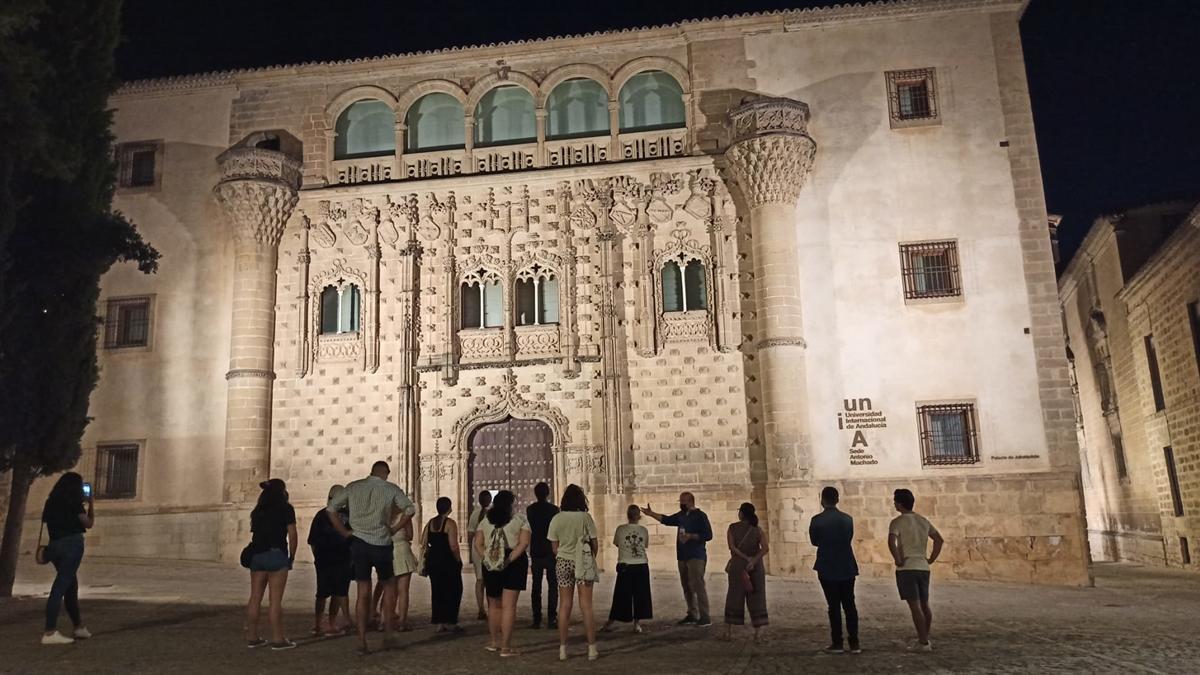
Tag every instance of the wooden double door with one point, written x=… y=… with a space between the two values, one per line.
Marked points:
x=513 y=454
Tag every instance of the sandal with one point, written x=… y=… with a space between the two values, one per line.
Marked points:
x=256 y=642
x=491 y=648
x=504 y=653
x=280 y=646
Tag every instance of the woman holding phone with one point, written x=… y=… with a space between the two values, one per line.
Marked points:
x=68 y=513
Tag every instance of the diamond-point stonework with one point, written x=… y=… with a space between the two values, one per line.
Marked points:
x=259 y=188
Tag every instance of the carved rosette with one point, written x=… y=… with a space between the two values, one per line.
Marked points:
x=772 y=153
x=258 y=191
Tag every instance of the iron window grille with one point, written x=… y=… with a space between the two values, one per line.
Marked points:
x=948 y=434
x=138 y=164
x=127 y=323
x=930 y=270
x=116 y=471
x=912 y=96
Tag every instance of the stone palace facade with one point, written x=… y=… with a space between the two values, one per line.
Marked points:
x=746 y=257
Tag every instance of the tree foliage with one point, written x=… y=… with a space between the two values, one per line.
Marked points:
x=58 y=232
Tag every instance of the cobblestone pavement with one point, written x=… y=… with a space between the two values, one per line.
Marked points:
x=171 y=617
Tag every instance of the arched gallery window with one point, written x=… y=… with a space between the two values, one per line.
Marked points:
x=435 y=122
x=339 y=309
x=683 y=287
x=577 y=107
x=365 y=129
x=537 y=297
x=505 y=115
x=651 y=100
x=482 y=300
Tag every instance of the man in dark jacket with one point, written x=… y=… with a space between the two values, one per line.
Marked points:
x=541 y=556
x=832 y=532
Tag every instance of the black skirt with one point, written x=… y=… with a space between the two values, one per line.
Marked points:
x=512 y=578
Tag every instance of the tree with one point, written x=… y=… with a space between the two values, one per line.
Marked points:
x=58 y=236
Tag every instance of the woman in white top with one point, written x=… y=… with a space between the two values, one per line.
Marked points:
x=572 y=535
x=500 y=542
x=404 y=563
x=631 y=594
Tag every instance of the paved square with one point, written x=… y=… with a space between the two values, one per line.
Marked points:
x=153 y=616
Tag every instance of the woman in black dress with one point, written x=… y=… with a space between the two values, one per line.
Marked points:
x=443 y=566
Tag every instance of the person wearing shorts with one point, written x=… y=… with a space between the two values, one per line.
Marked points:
x=908 y=535
x=331 y=558
x=371 y=501
x=501 y=543
x=485 y=501
x=572 y=536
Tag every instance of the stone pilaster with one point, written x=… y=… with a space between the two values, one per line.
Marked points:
x=258 y=191
x=770 y=157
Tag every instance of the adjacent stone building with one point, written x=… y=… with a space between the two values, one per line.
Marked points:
x=746 y=257
x=1131 y=308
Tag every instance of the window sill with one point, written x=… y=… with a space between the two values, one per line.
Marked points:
x=937 y=300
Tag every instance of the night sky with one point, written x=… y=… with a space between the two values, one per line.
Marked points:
x=1115 y=83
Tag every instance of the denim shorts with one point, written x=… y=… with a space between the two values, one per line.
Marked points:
x=270 y=560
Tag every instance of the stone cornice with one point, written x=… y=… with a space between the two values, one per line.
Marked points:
x=772 y=153
x=682 y=32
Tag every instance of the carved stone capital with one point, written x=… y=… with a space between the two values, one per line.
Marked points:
x=772 y=153
x=258 y=191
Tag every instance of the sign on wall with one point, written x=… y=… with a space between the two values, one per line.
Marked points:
x=859 y=415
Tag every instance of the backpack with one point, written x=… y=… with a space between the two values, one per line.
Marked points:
x=495 y=555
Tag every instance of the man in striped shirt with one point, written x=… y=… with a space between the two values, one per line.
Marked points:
x=371 y=501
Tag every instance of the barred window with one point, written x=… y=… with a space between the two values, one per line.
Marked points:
x=947 y=434
x=138 y=164
x=912 y=97
x=116 y=471
x=127 y=323
x=930 y=270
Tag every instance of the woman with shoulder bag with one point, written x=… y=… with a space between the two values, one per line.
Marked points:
x=272 y=527
x=572 y=535
x=501 y=541
x=67 y=514
x=747 y=581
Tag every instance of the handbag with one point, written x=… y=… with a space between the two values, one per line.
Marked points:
x=247 y=556
x=40 y=554
x=744 y=577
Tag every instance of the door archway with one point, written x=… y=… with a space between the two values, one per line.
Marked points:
x=512 y=454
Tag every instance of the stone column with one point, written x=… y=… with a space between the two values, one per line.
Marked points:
x=258 y=191
x=770 y=156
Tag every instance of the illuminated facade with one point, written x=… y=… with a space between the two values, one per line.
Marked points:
x=746 y=257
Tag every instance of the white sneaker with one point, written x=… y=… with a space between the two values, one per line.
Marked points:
x=562 y=652
x=918 y=647
x=592 y=653
x=82 y=633
x=56 y=638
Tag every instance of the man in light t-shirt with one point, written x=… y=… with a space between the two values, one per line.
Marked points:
x=908 y=535
x=485 y=500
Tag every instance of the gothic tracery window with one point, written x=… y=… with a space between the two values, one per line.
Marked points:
x=577 y=107
x=537 y=297
x=435 y=122
x=365 y=129
x=482 y=300
x=340 y=305
x=684 y=287
x=651 y=100
x=505 y=115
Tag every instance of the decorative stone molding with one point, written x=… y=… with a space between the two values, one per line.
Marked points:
x=249 y=372
x=537 y=341
x=781 y=342
x=511 y=403
x=258 y=190
x=772 y=153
